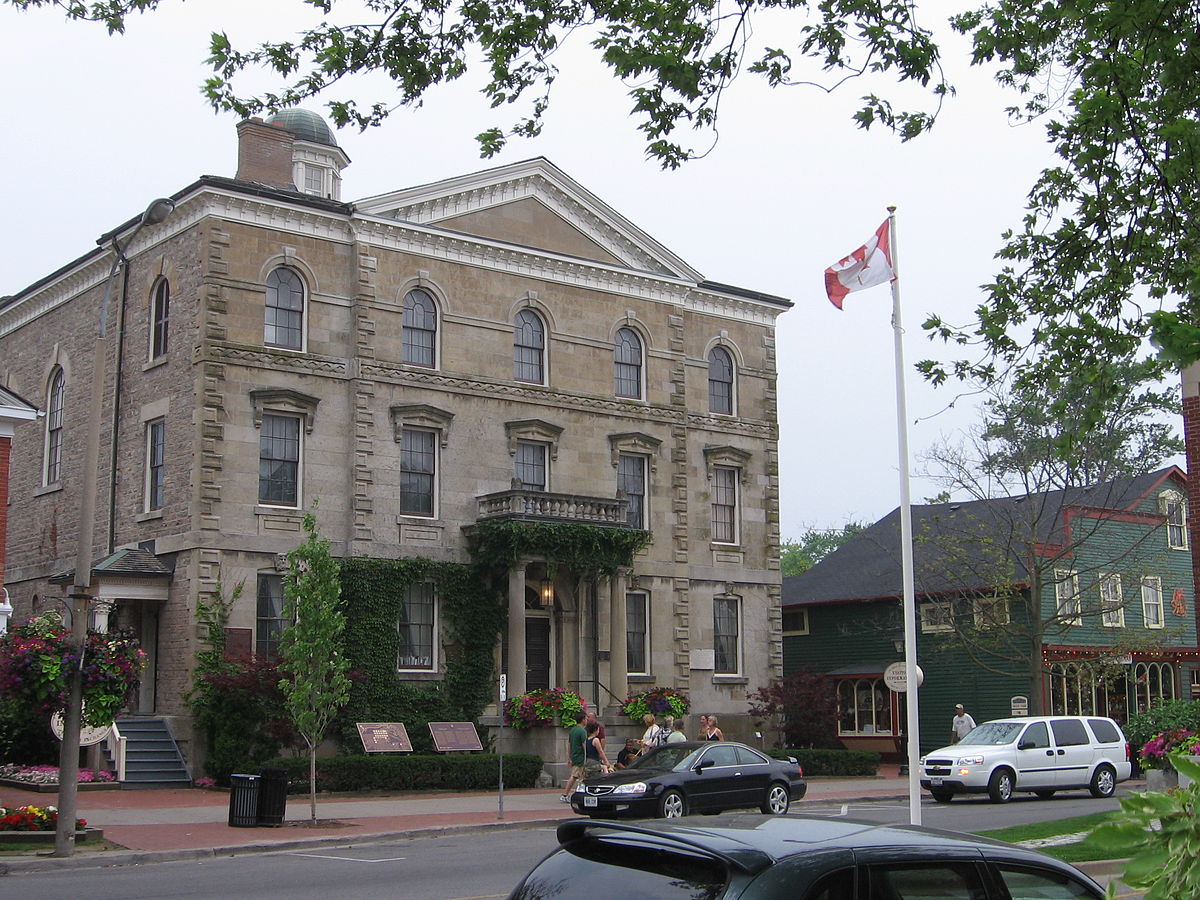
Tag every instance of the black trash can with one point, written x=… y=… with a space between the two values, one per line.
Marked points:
x=272 y=796
x=243 y=801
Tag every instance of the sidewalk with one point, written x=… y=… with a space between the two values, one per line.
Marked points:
x=180 y=823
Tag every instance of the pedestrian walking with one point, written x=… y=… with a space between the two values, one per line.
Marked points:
x=577 y=744
x=595 y=762
x=961 y=724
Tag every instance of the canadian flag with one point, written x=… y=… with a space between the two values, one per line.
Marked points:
x=869 y=265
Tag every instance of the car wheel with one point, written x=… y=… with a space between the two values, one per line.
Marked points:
x=1104 y=782
x=942 y=796
x=1044 y=795
x=1000 y=786
x=777 y=800
x=672 y=805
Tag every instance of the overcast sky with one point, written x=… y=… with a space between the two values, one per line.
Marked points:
x=98 y=126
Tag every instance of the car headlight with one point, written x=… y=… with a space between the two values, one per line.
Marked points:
x=638 y=787
x=579 y=788
x=970 y=761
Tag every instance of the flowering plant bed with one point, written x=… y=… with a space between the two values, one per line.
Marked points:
x=543 y=707
x=1156 y=752
x=44 y=779
x=660 y=701
x=32 y=818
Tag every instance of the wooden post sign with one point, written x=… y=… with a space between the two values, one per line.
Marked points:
x=455 y=736
x=384 y=737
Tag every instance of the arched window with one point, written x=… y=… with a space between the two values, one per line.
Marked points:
x=52 y=471
x=420 y=329
x=864 y=707
x=628 y=364
x=720 y=381
x=529 y=347
x=283 y=323
x=159 y=316
x=1152 y=681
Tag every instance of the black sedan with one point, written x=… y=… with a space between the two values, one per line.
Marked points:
x=693 y=776
x=740 y=857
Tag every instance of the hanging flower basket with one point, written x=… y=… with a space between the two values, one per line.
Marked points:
x=543 y=708
x=38 y=656
x=659 y=701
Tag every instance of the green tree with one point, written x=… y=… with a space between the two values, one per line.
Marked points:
x=315 y=682
x=814 y=545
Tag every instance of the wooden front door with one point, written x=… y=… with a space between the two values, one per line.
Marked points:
x=537 y=653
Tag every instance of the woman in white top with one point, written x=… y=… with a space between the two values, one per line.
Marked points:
x=652 y=737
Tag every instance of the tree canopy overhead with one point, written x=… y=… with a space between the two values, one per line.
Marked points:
x=1103 y=257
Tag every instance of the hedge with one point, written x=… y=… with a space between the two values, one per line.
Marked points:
x=412 y=772
x=833 y=762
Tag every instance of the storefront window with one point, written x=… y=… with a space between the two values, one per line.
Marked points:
x=864 y=707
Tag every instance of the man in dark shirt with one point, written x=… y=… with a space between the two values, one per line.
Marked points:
x=629 y=754
x=577 y=740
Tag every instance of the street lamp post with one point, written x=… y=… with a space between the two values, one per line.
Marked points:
x=68 y=759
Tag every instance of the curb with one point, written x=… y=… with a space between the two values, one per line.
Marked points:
x=113 y=859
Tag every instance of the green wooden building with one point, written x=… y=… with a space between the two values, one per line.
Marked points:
x=1067 y=601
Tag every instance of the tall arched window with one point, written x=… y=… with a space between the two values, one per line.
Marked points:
x=720 y=381
x=283 y=323
x=529 y=347
x=864 y=707
x=159 y=317
x=52 y=470
x=1152 y=681
x=627 y=364
x=420 y=329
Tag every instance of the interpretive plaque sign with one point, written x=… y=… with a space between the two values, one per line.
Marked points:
x=455 y=736
x=384 y=737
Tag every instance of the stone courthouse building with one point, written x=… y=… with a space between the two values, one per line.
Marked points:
x=500 y=344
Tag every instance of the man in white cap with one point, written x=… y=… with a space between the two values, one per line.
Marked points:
x=961 y=725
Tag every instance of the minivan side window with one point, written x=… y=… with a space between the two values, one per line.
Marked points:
x=1069 y=732
x=1105 y=731
x=1035 y=737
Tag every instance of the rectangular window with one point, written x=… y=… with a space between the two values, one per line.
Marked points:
x=271 y=622
x=418 y=470
x=161 y=316
x=631 y=478
x=1066 y=596
x=156 y=439
x=1112 y=613
x=279 y=461
x=936 y=616
x=636 y=633
x=724 y=505
x=726 y=635
x=795 y=621
x=1175 y=509
x=1152 y=601
x=416 y=627
x=991 y=612
x=314 y=180
x=530 y=465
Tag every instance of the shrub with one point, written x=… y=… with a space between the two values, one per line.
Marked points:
x=543 y=707
x=1164 y=716
x=411 y=772
x=657 y=701
x=25 y=735
x=832 y=762
x=804 y=707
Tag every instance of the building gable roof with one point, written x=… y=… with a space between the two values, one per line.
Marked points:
x=996 y=533
x=535 y=204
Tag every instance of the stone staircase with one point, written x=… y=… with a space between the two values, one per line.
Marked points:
x=152 y=759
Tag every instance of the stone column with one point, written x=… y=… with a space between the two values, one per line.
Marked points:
x=516 y=629
x=101 y=610
x=618 y=659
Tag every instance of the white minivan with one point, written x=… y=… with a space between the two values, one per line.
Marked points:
x=1042 y=754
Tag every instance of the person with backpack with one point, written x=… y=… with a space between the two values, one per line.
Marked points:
x=654 y=735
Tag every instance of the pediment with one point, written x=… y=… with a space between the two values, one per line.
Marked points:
x=532 y=204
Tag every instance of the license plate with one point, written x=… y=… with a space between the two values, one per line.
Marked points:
x=590 y=801
x=935 y=782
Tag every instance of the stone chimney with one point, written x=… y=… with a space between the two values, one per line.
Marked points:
x=265 y=154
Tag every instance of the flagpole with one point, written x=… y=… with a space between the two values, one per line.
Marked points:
x=906 y=544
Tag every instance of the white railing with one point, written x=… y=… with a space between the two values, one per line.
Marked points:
x=561 y=507
x=115 y=745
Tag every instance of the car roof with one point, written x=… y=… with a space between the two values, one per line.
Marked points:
x=753 y=843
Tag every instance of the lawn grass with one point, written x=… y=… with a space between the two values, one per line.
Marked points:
x=1073 y=852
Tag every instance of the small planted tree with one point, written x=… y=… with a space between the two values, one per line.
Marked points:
x=315 y=682
x=803 y=706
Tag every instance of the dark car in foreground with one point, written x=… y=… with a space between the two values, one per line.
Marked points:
x=693 y=776
x=740 y=857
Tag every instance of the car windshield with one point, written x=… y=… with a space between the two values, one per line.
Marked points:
x=623 y=868
x=668 y=757
x=993 y=733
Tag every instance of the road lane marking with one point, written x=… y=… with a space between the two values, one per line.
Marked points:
x=350 y=858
